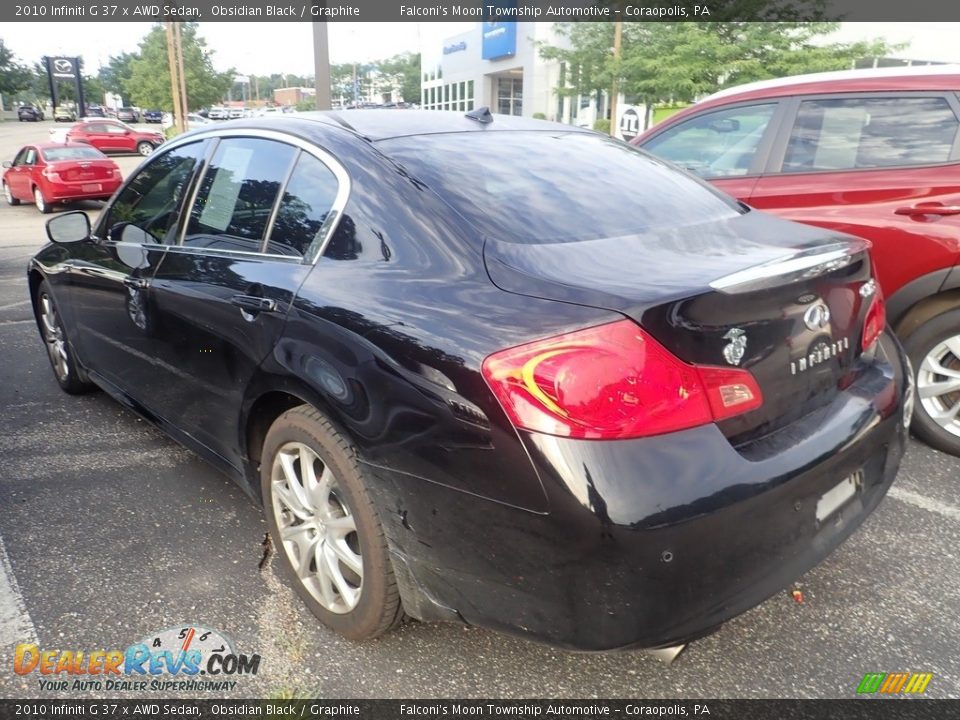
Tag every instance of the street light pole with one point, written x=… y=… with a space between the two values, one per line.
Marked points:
x=615 y=90
x=321 y=65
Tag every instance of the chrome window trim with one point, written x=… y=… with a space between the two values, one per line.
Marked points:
x=332 y=164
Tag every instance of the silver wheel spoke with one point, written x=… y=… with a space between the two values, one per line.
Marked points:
x=347 y=556
x=333 y=567
x=953 y=344
x=293 y=480
x=308 y=551
x=934 y=389
x=930 y=365
x=946 y=417
x=290 y=501
x=321 y=492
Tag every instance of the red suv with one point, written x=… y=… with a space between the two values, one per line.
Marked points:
x=875 y=153
x=114 y=136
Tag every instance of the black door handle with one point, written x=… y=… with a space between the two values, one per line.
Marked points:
x=135 y=283
x=251 y=303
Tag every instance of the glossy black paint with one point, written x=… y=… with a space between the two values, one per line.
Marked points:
x=560 y=540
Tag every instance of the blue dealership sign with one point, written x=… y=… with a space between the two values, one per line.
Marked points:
x=500 y=37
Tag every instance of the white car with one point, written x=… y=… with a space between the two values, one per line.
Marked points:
x=235 y=113
x=267 y=111
x=218 y=113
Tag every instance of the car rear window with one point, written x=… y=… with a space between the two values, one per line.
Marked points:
x=71 y=153
x=534 y=187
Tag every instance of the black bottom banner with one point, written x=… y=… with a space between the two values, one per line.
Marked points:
x=410 y=709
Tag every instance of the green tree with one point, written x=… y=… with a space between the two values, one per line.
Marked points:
x=404 y=72
x=14 y=76
x=116 y=73
x=149 y=82
x=666 y=61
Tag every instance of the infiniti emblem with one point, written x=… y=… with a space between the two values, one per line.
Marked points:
x=734 y=351
x=816 y=317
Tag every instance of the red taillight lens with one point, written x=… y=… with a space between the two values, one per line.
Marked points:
x=875 y=321
x=612 y=381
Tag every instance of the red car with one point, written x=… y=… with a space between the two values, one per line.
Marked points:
x=57 y=173
x=874 y=153
x=114 y=136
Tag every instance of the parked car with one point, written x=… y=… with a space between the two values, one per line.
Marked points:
x=128 y=114
x=620 y=422
x=869 y=152
x=114 y=136
x=152 y=116
x=62 y=114
x=47 y=174
x=235 y=113
x=218 y=113
x=29 y=113
x=95 y=111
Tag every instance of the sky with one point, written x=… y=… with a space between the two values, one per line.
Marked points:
x=276 y=47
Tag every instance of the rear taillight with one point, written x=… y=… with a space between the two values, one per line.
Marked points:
x=612 y=381
x=50 y=174
x=875 y=321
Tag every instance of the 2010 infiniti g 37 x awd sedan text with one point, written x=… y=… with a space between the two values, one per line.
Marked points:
x=487 y=369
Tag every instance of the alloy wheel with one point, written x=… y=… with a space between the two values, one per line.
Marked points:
x=40 y=201
x=317 y=528
x=7 y=194
x=54 y=338
x=938 y=384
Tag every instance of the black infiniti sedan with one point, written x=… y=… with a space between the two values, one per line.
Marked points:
x=490 y=370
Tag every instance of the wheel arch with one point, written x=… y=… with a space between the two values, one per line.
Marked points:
x=924 y=310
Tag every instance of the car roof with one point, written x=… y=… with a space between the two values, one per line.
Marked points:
x=55 y=145
x=916 y=77
x=383 y=124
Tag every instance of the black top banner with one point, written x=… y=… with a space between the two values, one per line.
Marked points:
x=487 y=709
x=479 y=10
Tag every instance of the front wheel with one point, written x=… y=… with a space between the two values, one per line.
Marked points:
x=66 y=369
x=40 y=201
x=325 y=527
x=934 y=350
x=11 y=200
x=144 y=148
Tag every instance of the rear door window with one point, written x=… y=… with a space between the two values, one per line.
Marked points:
x=870 y=132
x=305 y=207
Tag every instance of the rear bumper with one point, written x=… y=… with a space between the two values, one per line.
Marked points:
x=655 y=541
x=69 y=191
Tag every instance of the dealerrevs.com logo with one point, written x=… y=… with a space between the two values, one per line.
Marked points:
x=187 y=658
x=905 y=683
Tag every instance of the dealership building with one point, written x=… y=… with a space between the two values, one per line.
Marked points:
x=498 y=64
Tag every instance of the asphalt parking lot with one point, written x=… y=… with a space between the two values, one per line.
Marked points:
x=110 y=532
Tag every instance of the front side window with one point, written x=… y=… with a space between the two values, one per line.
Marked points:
x=306 y=203
x=146 y=208
x=717 y=144
x=237 y=194
x=857 y=133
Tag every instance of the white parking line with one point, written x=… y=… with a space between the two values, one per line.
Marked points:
x=15 y=623
x=13 y=305
x=922 y=501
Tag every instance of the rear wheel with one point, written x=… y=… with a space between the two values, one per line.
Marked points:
x=325 y=527
x=144 y=148
x=11 y=200
x=934 y=350
x=40 y=201
x=66 y=369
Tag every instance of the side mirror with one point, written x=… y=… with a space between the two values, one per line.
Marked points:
x=70 y=227
x=7 y=164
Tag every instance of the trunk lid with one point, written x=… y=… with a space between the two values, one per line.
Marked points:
x=83 y=170
x=781 y=300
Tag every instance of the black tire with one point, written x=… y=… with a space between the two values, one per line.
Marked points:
x=145 y=148
x=378 y=608
x=41 y=202
x=928 y=350
x=11 y=200
x=69 y=374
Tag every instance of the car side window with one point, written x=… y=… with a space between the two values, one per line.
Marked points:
x=237 y=194
x=20 y=158
x=115 y=129
x=146 y=208
x=716 y=144
x=307 y=201
x=31 y=157
x=856 y=133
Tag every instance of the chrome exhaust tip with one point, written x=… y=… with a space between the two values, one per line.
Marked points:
x=668 y=654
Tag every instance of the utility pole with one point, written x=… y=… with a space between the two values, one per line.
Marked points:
x=615 y=90
x=184 y=106
x=174 y=83
x=321 y=65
